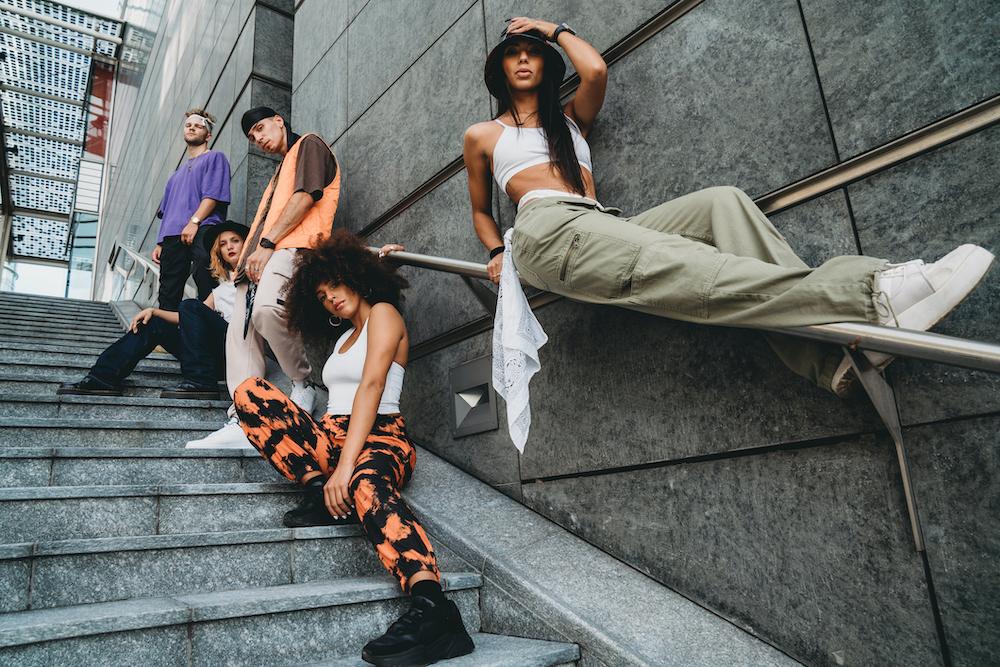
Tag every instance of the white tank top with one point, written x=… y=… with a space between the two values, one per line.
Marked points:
x=521 y=147
x=342 y=377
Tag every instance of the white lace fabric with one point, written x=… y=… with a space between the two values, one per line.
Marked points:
x=517 y=337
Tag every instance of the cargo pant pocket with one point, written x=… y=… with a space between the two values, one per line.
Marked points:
x=598 y=266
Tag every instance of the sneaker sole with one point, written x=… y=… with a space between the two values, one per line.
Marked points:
x=450 y=646
x=926 y=313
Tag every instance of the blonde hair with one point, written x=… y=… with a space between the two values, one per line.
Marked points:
x=218 y=265
x=219 y=268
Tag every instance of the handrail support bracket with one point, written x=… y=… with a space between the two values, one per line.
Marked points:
x=883 y=398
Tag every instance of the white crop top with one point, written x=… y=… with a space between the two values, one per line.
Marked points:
x=521 y=147
x=342 y=377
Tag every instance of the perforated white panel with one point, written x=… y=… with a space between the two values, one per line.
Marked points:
x=27 y=112
x=43 y=156
x=39 y=237
x=50 y=70
x=41 y=194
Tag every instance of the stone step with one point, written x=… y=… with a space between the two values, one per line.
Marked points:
x=20 y=383
x=165 y=372
x=73 y=572
x=66 y=337
x=495 y=651
x=90 y=352
x=33 y=514
x=44 y=325
x=286 y=624
x=54 y=304
x=99 y=310
x=18 y=314
x=69 y=358
x=95 y=466
x=28 y=432
x=48 y=406
x=14 y=359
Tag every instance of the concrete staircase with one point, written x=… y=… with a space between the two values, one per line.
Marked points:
x=117 y=546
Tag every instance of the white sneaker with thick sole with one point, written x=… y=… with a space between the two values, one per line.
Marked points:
x=230 y=436
x=916 y=296
x=303 y=395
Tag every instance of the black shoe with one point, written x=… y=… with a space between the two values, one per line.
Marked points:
x=89 y=386
x=426 y=633
x=311 y=510
x=188 y=389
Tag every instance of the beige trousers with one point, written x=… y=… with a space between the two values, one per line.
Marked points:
x=268 y=322
x=710 y=257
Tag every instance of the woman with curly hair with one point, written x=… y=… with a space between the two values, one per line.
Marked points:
x=357 y=457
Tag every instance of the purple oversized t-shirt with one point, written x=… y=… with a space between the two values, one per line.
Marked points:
x=204 y=176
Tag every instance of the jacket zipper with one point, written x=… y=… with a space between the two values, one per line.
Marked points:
x=573 y=245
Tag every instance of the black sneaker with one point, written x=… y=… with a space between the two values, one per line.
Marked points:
x=89 y=386
x=311 y=511
x=188 y=389
x=426 y=633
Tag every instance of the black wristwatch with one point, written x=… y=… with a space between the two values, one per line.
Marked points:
x=496 y=251
x=562 y=27
x=267 y=243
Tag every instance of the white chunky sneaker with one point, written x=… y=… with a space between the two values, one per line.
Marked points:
x=303 y=395
x=230 y=436
x=916 y=296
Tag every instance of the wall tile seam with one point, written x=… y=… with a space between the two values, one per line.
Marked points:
x=340 y=35
x=382 y=94
x=276 y=9
x=832 y=441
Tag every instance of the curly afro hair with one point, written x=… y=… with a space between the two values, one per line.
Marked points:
x=342 y=259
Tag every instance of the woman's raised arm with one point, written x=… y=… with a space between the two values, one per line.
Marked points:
x=587 y=62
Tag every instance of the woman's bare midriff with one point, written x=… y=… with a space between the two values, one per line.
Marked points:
x=545 y=177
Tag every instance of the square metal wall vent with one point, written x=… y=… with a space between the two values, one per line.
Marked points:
x=474 y=403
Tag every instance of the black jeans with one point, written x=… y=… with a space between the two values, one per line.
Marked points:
x=198 y=342
x=178 y=261
x=203 y=343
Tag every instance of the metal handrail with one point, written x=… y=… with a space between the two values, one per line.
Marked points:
x=938 y=348
x=149 y=267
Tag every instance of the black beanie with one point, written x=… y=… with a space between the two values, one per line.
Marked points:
x=254 y=116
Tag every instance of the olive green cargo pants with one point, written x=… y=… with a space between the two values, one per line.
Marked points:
x=710 y=257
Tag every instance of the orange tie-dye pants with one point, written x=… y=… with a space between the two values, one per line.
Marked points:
x=296 y=444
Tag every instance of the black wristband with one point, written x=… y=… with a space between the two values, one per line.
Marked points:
x=267 y=243
x=496 y=251
x=562 y=27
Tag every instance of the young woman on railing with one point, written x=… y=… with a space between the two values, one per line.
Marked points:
x=353 y=462
x=710 y=257
x=195 y=333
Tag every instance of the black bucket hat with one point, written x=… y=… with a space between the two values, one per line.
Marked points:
x=228 y=226
x=493 y=74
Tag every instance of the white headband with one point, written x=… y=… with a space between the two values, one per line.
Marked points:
x=204 y=121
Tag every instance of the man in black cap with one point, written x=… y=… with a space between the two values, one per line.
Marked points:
x=296 y=211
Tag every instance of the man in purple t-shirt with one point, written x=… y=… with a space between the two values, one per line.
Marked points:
x=196 y=196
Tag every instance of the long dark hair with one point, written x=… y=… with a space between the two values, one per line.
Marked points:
x=342 y=259
x=554 y=123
